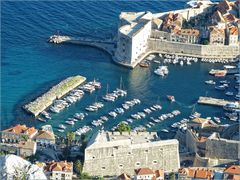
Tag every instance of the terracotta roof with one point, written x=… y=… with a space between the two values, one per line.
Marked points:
x=229 y=18
x=217 y=31
x=218 y=16
x=45 y=135
x=27 y=144
x=193 y=32
x=21 y=129
x=188 y=172
x=59 y=166
x=124 y=176
x=234 y=169
x=159 y=173
x=144 y=171
x=233 y=30
x=224 y=6
x=203 y=174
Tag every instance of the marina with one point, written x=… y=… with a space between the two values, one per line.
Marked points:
x=41 y=103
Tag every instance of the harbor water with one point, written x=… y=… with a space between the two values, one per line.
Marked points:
x=30 y=65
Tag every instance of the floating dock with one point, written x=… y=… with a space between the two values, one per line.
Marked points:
x=213 y=101
x=41 y=103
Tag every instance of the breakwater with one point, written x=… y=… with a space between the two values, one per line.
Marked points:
x=41 y=103
x=213 y=101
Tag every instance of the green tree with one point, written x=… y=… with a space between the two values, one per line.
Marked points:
x=172 y=176
x=205 y=42
x=2 y=153
x=24 y=137
x=85 y=176
x=77 y=167
x=123 y=128
x=70 y=138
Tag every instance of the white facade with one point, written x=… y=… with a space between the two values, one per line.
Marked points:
x=233 y=39
x=59 y=175
x=145 y=177
x=133 y=33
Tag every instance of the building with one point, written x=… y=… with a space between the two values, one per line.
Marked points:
x=232 y=35
x=62 y=170
x=144 y=174
x=186 y=36
x=112 y=153
x=200 y=123
x=216 y=36
x=133 y=33
x=124 y=176
x=195 y=173
x=27 y=148
x=16 y=133
x=232 y=172
x=45 y=138
x=172 y=21
x=156 y=23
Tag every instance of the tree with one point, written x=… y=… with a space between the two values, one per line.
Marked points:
x=24 y=137
x=205 y=42
x=172 y=176
x=70 y=138
x=77 y=167
x=85 y=176
x=122 y=127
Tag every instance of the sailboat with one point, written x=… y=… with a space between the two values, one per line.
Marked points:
x=120 y=90
x=194 y=114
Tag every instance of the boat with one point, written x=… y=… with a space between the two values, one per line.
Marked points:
x=79 y=116
x=237 y=97
x=144 y=64
x=61 y=130
x=221 y=87
x=96 y=84
x=159 y=72
x=230 y=106
x=218 y=73
x=171 y=98
x=210 y=82
x=61 y=126
x=232 y=116
x=217 y=119
x=165 y=130
x=41 y=119
x=229 y=93
x=181 y=63
x=113 y=114
x=70 y=122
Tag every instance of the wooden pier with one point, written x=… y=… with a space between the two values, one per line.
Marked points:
x=65 y=86
x=213 y=101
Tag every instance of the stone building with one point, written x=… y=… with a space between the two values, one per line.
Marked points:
x=186 y=36
x=133 y=33
x=232 y=35
x=27 y=148
x=59 y=170
x=232 y=172
x=195 y=173
x=15 y=134
x=111 y=154
x=45 y=138
x=216 y=36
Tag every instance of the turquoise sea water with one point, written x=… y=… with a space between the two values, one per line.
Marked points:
x=30 y=65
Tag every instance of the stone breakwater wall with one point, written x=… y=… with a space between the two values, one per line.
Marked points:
x=195 y=50
x=41 y=103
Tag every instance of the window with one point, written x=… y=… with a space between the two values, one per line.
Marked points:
x=112 y=155
x=93 y=157
x=154 y=162
x=137 y=163
x=120 y=165
x=146 y=151
x=103 y=168
x=129 y=153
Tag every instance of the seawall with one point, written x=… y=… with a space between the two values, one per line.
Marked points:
x=41 y=103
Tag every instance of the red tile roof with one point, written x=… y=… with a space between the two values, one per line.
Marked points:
x=21 y=129
x=224 y=6
x=233 y=30
x=144 y=171
x=59 y=166
x=234 y=169
x=124 y=177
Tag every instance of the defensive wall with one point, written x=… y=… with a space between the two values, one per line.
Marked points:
x=194 y=50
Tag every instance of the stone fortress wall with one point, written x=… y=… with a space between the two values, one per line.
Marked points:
x=195 y=50
x=125 y=158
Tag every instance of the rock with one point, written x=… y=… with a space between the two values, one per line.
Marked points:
x=12 y=166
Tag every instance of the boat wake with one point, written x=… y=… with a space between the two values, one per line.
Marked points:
x=184 y=105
